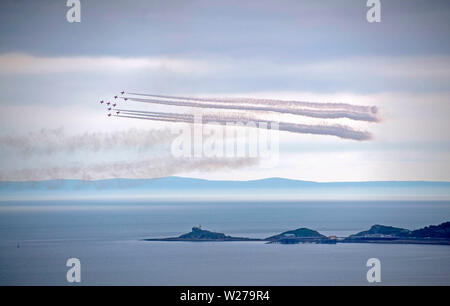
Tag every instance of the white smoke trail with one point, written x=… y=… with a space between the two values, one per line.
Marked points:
x=320 y=113
x=46 y=142
x=341 y=131
x=272 y=102
x=150 y=168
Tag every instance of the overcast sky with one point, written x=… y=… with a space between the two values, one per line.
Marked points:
x=52 y=74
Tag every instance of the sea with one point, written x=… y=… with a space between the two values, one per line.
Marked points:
x=38 y=237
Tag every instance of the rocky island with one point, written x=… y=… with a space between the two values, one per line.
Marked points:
x=300 y=235
x=199 y=234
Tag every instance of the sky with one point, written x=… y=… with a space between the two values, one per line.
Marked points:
x=53 y=73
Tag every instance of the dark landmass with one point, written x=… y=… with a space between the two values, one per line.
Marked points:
x=433 y=231
x=383 y=230
x=434 y=234
x=300 y=235
x=198 y=234
x=435 y=241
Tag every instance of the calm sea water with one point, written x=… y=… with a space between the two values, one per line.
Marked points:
x=36 y=239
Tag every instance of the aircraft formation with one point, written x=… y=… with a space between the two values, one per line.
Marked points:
x=250 y=111
x=112 y=105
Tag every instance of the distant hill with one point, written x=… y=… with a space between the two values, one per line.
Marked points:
x=198 y=233
x=383 y=230
x=174 y=182
x=278 y=188
x=298 y=233
x=433 y=231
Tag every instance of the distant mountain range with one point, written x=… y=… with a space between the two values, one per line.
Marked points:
x=191 y=188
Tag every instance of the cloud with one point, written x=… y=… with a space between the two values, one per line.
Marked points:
x=28 y=64
x=404 y=67
x=392 y=67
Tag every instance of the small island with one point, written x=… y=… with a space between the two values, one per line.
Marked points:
x=199 y=234
x=434 y=234
x=301 y=235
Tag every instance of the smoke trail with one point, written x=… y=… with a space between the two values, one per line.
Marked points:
x=222 y=116
x=341 y=131
x=272 y=102
x=151 y=168
x=46 y=142
x=322 y=113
